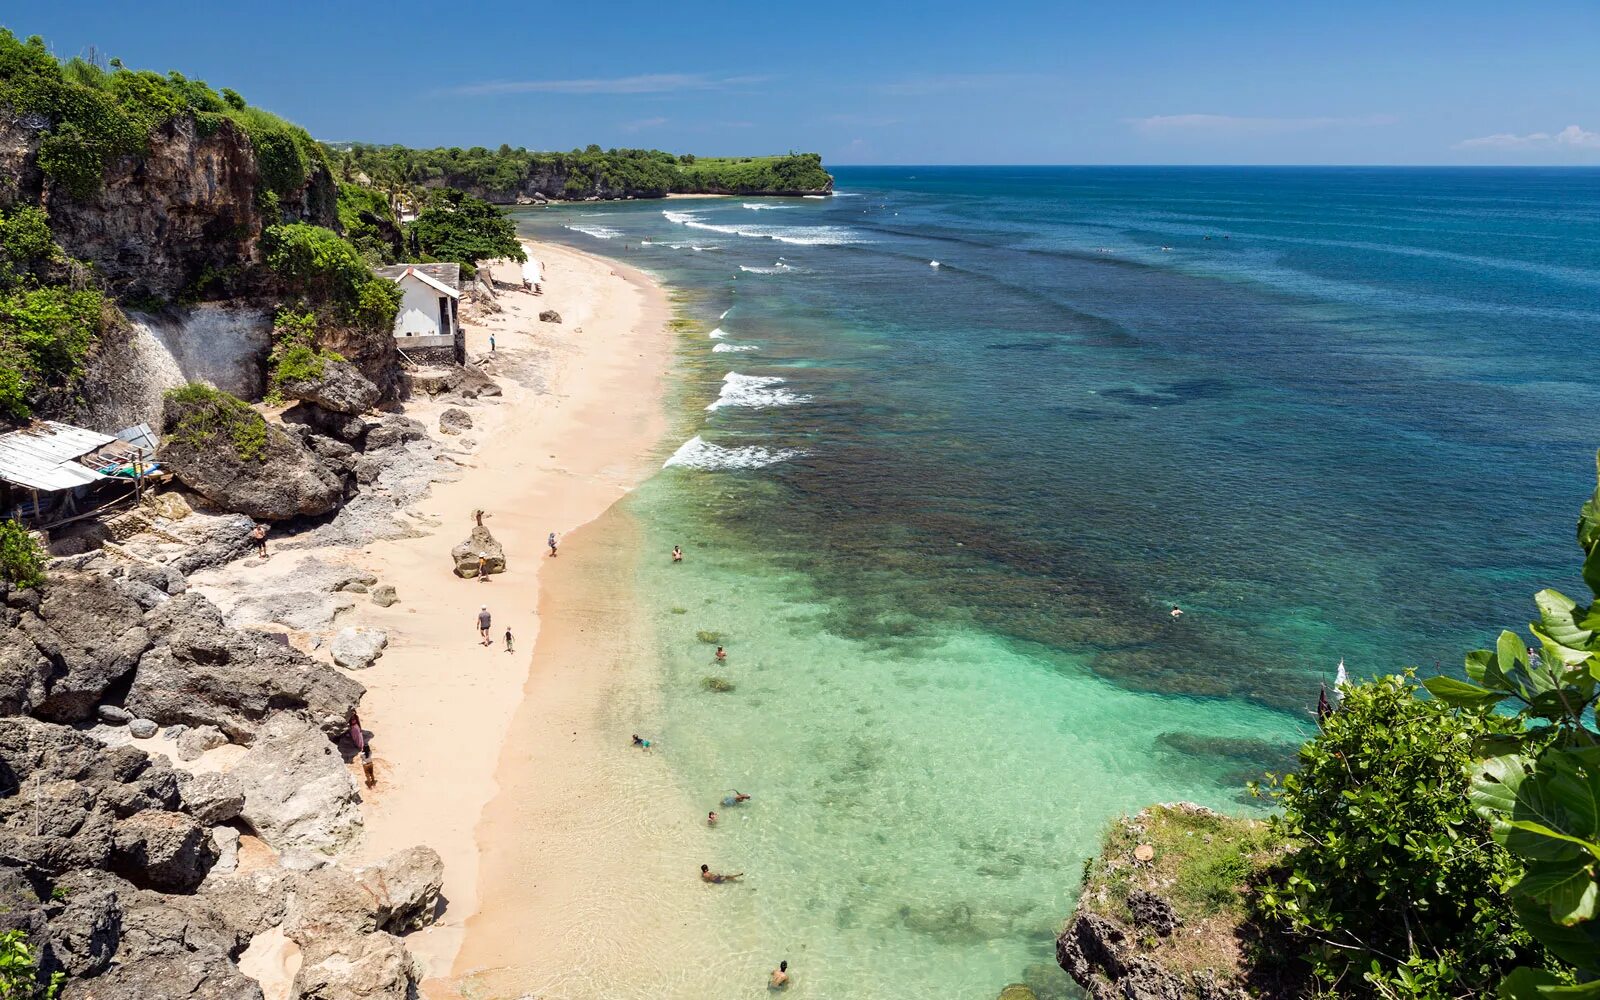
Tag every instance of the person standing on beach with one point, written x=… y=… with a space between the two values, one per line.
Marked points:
x=483 y=625
x=491 y=343
x=258 y=538
x=779 y=980
x=552 y=543
x=508 y=641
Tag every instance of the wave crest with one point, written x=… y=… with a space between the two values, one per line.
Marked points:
x=698 y=453
x=754 y=392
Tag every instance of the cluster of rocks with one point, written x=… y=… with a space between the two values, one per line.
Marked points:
x=122 y=866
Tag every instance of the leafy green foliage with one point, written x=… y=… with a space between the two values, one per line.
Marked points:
x=369 y=223
x=211 y=418
x=19 y=971
x=96 y=115
x=21 y=562
x=1541 y=787
x=1398 y=888
x=45 y=333
x=456 y=226
x=331 y=274
x=295 y=357
x=505 y=172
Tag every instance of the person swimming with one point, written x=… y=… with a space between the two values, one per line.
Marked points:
x=721 y=654
x=1177 y=612
x=639 y=742
x=677 y=554
x=716 y=878
x=737 y=798
x=711 y=818
x=779 y=979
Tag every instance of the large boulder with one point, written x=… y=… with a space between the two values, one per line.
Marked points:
x=393 y=430
x=340 y=388
x=356 y=967
x=348 y=428
x=454 y=421
x=358 y=648
x=211 y=797
x=396 y=895
x=549 y=316
x=222 y=449
x=465 y=381
x=86 y=634
x=168 y=851
x=298 y=793
x=478 y=544
x=202 y=672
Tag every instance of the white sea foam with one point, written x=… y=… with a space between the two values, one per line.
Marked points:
x=719 y=332
x=755 y=206
x=598 y=232
x=810 y=236
x=697 y=453
x=754 y=392
x=779 y=268
x=727 y=348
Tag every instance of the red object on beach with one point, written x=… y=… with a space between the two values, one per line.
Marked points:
x=357 y=737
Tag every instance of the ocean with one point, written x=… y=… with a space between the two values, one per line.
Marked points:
x=951 y=445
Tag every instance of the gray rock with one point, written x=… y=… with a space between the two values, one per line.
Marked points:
x=211 y=797
x=466 y=381
x=298 y=793
x=340 y=389
x=173 y=732
x=549 y=316
x=85 y=928
x=283 y=480
x=358 y=648
x=226 y=841
x=356 y=967
x=195 y=742
x=1152 y=912
x=202 y=672
x=394 y=430
x=454 y=421
x=162 y=850
x=396 y=895
x=478 y=544
x=351 y=430
x=92 y=634
x=114 y=715
x=384 y=595
x=143 y=728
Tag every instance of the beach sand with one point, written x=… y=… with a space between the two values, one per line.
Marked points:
x=578 y=427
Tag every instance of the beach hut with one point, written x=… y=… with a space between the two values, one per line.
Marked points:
x=52 y=473
x=428 y=322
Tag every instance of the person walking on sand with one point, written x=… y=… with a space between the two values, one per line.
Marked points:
x=258 y=538
x=779 y=980
x=551 y=541
x=717 y=878
x=677 y=554
x=508 y=641
x=483 y=625
x=483 y=568
x=491 y=343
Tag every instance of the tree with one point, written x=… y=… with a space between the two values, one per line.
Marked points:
x=1540 y=787
x=456 y=226
x=21 y=562
x=1398 y=889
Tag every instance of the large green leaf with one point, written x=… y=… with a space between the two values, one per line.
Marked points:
x=1461 y=694
x=1591 y=570
x=1536 y=984
x=1494 y=784
x=1561 y=618
x=1569 y=889
x=1578 y=945
x=1589 y=515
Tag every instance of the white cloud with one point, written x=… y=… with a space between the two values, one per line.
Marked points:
x=1219 y=125
x=647 y=83
x=1571 y=137
x=643 y=123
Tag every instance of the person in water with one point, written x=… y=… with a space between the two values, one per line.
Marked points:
x=721 y=654
x=738 y=798
x=1177 y=612
x=779 y=979
x=716 y=878
x=711 y=818
x=677 y=554
x=643 y=744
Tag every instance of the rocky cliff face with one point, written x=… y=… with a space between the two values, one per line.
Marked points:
x=164 y=222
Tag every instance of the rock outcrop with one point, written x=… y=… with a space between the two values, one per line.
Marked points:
x=278 y=478
x=298 y=794
x=480 y=545
x=341 y=388
x=64 y=644
x=358 y=648
x=454 y=421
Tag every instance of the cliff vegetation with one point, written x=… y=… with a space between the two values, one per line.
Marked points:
x=506 y=175
x=1432 y=841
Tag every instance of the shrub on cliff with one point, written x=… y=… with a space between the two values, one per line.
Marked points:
x=201 y=417
x=1398 y=889
x=21 y=562
x=19 y=970
x=326 y=270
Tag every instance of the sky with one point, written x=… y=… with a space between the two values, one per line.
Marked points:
x=1140 y=81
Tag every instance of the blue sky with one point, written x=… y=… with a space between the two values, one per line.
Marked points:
x=1400 y=82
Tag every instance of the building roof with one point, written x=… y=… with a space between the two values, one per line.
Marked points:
x=445 y=277
x=43 y=456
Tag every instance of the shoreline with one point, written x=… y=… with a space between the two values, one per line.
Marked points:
x=575 y=433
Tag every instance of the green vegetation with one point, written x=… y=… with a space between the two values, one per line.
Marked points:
x=503 y=173
x=294 y=357
x=331 y=275
x=458 y=227
x=19 y=971
x=1397 y=888
x=716 y=685
x=369 y=223
x=96 y=115
x=707 y=636
x=21 y=562
x=210 y=418
x=49 y=314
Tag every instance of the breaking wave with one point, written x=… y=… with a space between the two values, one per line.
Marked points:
x=698 y=453
x=811 y=236
x=754 y=392
x=726 y=348
x=598 y=232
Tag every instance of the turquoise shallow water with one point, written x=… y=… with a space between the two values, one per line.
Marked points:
x=938 y=514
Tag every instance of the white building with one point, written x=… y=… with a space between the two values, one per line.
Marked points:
x=429 y=318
